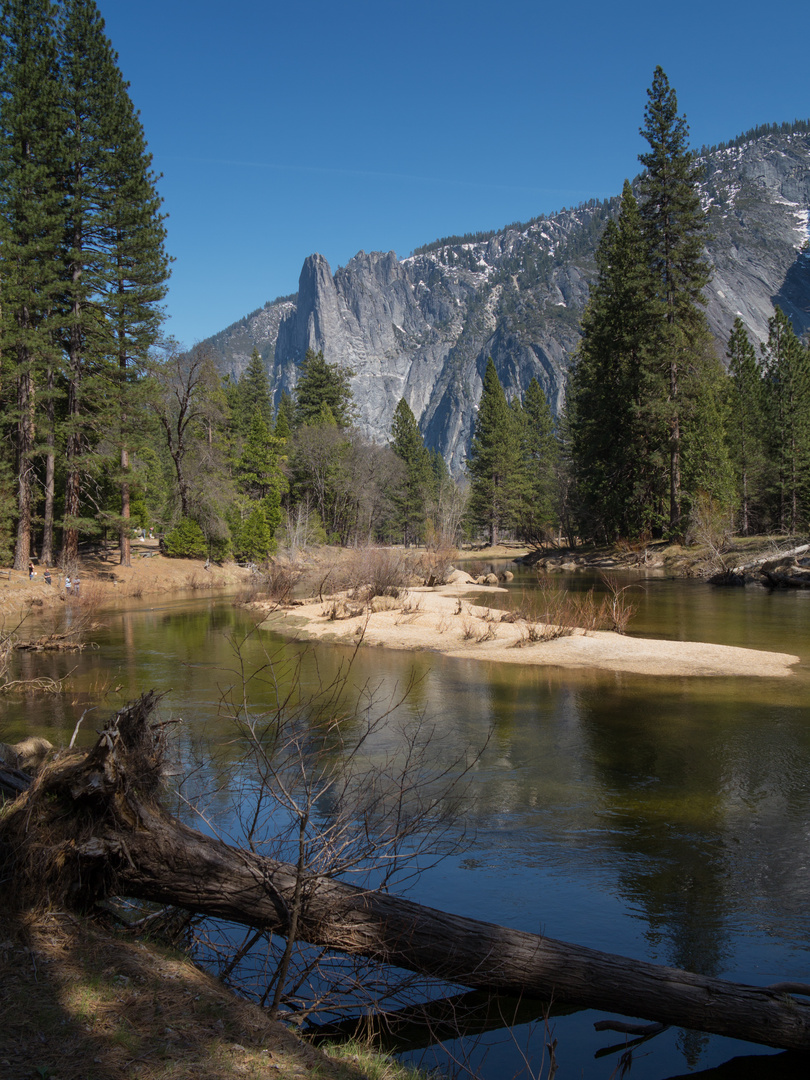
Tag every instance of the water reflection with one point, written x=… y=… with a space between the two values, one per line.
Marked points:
x=665 y=819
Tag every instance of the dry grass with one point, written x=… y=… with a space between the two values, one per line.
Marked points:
x=550 y=612
x=340 y=607
x=81 y=1003
x=438 y=560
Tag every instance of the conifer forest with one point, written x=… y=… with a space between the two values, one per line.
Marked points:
x=108 y=427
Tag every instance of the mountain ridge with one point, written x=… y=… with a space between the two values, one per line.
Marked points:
x=422 y=327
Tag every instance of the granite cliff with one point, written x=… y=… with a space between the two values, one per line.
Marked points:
x=423 y=327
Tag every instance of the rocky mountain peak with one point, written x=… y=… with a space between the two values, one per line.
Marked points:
x=423 y=327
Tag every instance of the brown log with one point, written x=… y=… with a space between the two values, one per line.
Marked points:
x=135 y=848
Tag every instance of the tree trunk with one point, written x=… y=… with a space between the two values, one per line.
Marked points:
x=119 y=840
x=46 y=551
x=25 y=466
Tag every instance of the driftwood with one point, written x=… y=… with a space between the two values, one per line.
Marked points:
x=772 y=556
x=92 y=825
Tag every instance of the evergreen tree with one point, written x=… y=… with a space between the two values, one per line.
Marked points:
x=255 y=543
x=744 y=428
x=252 y=393
x=412 y=498
x=494 y=463
x=538 y=514
x=285 y=417
x=321 y=383
x=259 y=474
x=708 y=474
x=617 y=428
x=675 y=229
x=88 y=89
x=136 y=283
x=787 y=395
x=31 y=224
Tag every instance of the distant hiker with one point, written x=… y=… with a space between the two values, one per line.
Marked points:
x=76 y=585
x=47 y=576
x=67 y=582
x=31 y=571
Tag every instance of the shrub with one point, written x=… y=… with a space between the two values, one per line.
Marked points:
x=185 y=541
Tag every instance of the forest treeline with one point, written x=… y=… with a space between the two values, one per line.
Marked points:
x=107 y=428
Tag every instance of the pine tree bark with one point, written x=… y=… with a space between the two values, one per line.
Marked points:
x=25 y=466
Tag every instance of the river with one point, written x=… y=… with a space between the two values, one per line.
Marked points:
x=664 y=819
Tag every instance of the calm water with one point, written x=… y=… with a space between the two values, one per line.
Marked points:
x=665 y=819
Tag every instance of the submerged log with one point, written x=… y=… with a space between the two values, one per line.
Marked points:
x=92 y=826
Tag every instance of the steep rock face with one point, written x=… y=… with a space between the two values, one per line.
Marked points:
x=423 y=327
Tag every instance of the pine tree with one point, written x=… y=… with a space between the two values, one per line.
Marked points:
x=494 y=463
x=252 y=393
x=538 y=515
x=88 y=85
x=138 y=272
x=31 y=223
x=412 y=498
x=787 y=396
x=285 y=417
x=744 y=428
x=321 y=383
x=617 y=428
x=675 y=229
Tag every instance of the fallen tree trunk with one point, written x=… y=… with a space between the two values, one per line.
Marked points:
x=771 y=556
x=92 y=826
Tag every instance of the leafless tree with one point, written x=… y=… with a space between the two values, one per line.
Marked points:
x=342 y=780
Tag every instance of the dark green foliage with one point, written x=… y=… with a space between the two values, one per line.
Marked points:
x=251 y=394
x=647 y=401
x=285 y=417
x=254 y=539
x=616 y=395
x=185 y=541
x=538 y=513
x=412 y=498
x=675 y=229
x=83 y=264
x=787 y=403
x=745 y=426
x=258 y=468
x=31 y=230
x=262 y=484
x=319 y=384
x=494 y=464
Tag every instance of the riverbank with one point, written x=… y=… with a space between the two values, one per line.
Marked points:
x=81 y=1002
x=446 y=619
x=104 y=581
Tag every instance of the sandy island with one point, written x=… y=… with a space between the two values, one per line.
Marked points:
x=445 y=619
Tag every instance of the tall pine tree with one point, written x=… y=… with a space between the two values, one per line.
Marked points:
x=138 y=272
x=538 y=515
x=675 y=229
x=321 y=383
x=31 y=230
x=494 y=463
x=616 y=420
x=745 y=422
x=787 y=396
x=412 y=497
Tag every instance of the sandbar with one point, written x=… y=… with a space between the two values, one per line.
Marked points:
x=446 y=619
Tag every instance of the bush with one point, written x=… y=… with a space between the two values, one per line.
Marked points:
x=185 y=541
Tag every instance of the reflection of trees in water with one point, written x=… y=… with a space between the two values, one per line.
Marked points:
x=689 y=787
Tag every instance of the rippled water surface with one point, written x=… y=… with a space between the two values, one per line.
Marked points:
x=665 y=819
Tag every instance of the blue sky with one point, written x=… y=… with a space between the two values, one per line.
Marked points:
x=282 y=129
